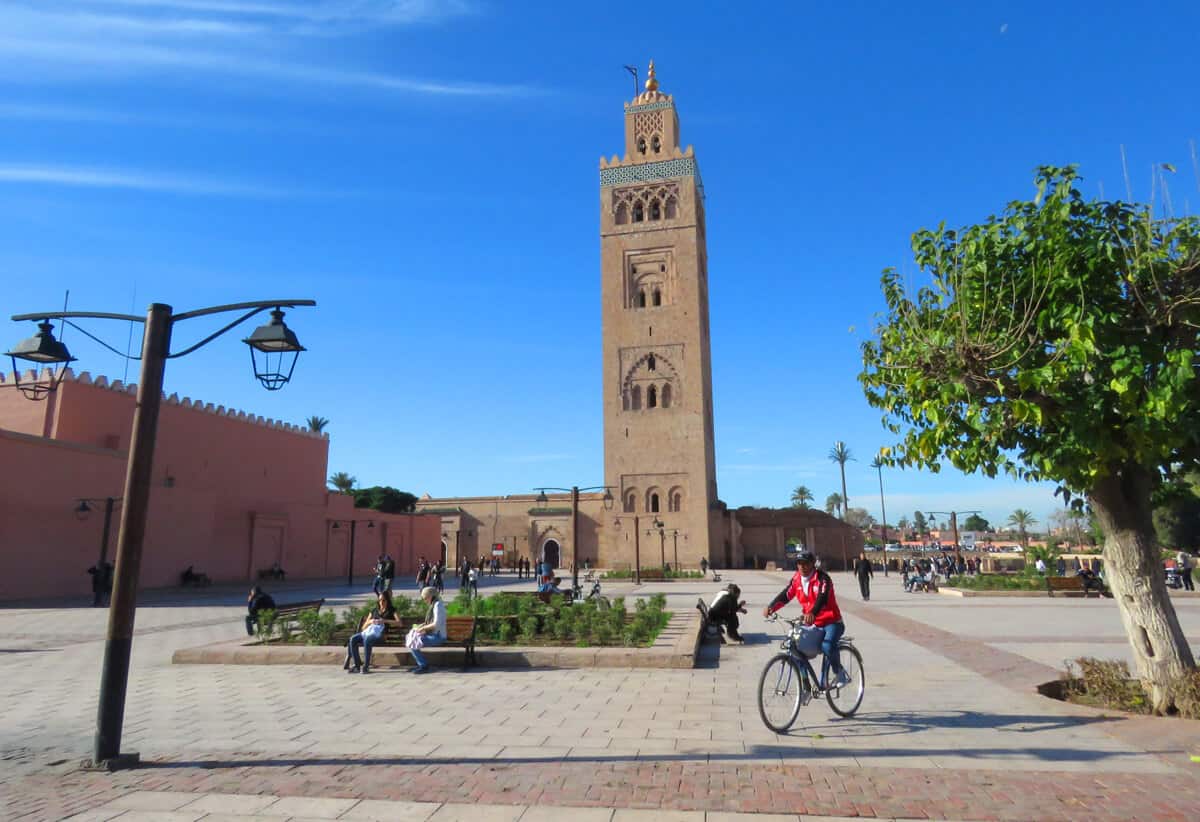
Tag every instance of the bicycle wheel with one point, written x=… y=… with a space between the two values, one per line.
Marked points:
x=845 y=700
x=779 y=693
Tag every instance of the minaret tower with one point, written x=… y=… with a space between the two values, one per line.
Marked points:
x=658 y=418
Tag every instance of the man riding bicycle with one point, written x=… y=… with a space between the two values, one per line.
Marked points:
x=813 y=590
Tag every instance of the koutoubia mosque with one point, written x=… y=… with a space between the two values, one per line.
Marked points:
x=234 y=494
x=662 y=504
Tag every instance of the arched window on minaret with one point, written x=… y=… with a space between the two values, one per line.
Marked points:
x=657 y=297
x=655 y=210
x=630 y=502
x=656 y=145
x=652 y=397
x=650 y=363
x=672 y=208
x=638 y=213
x=641 y=298
x=635 y=398
x=622 y=214
x=654 y=503
x=641 y=145
x=666 y=396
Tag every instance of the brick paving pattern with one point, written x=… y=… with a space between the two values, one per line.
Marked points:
x=949 y=730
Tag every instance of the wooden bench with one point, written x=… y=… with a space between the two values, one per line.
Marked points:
x=290 y=611
x=707 y=629
x=653 y=574
x=460 y=632
x=543 y=596
x=271 y=573
x=1069 y=586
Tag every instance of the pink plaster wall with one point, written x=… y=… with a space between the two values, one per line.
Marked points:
x=231 y=494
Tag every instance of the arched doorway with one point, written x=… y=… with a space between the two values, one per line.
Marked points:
x=551 y=552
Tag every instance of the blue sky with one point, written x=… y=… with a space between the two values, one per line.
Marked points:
x=427 y=171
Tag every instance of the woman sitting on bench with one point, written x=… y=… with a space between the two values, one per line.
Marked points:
x=432 y=632
x=372 y=630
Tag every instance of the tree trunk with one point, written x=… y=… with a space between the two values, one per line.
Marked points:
x=1133 y=569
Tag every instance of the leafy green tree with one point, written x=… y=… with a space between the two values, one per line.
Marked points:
x=840 y=454
x=343 y=482
x=801 y=497
x=1021 y=520
x=1058 y=342
x=1177 y=512
x=860 y=518
x=317 y=424
x=385 y=499
x=903 y=526
x=919 y=524
x=833 y=504
x=976 y=523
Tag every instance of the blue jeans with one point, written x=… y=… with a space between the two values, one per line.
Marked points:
x=367 y=643
x=829 y=647
x=430 y=641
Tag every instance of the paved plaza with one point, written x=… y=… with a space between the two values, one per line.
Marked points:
x=950 y=729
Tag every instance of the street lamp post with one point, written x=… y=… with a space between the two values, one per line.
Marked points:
x=953 y=524
x=574 y=491
x=82 y=511
x=272 y=340
x=658 y=525
x=675 y=538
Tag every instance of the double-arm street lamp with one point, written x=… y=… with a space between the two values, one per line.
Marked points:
x=270 y=348
x=661 y=528
x=337 y=524
x=82 y=511
x=953 y=523
x=574 y=491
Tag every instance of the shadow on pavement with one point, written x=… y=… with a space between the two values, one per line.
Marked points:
x=888 y=723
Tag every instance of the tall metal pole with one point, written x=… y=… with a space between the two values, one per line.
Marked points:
x=574 y=537
x=662 y=547
x=350 y=567
x=637 y=551
x=954 y=528
x=108 y=512
x=114 y=676
x=675 y=536
x=882 y=510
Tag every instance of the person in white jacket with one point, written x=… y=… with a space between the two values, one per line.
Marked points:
x=433 y=631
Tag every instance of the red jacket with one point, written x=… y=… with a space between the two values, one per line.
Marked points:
x=820 y=600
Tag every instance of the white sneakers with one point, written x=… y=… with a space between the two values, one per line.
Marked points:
x=843 y=679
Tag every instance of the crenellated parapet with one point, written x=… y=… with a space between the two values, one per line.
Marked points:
x=199 y=406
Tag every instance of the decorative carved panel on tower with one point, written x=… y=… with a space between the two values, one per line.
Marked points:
x=652 y=203
x=651 y=279
x=651 y=377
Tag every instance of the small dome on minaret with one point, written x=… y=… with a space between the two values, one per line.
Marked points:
x=651 y=79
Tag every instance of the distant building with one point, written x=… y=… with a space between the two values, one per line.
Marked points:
x=233 y=494
x=659 y=451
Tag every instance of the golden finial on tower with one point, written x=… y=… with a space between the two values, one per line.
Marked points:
x=651 y=80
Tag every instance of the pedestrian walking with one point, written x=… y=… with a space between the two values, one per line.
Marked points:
x=1184 y=563
x=864 y=572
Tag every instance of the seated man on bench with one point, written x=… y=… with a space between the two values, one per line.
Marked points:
x=723 y=611
x=1091 y=582
x=259 y=600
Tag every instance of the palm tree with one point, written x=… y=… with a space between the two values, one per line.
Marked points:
x=801 y=497
x=343 y=482
x=833 y=502
x=317 y=424
x=840 y=454
x=1021 y=520
x=877 y=464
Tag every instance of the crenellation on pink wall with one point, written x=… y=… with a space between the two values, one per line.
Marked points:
x=232 y=492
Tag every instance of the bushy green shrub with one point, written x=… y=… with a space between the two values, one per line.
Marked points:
x=353 y=616
x=265 y=625
x=317 y=628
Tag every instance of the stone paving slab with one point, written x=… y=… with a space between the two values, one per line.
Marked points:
x=946 y=714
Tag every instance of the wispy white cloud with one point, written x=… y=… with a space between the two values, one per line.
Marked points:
x=359 y=12
x=218 y=36
x=80 y=177
x=137 y=58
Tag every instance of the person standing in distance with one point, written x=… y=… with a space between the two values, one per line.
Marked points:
x=864 y=572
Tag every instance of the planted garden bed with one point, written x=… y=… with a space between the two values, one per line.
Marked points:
x=501 y=619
